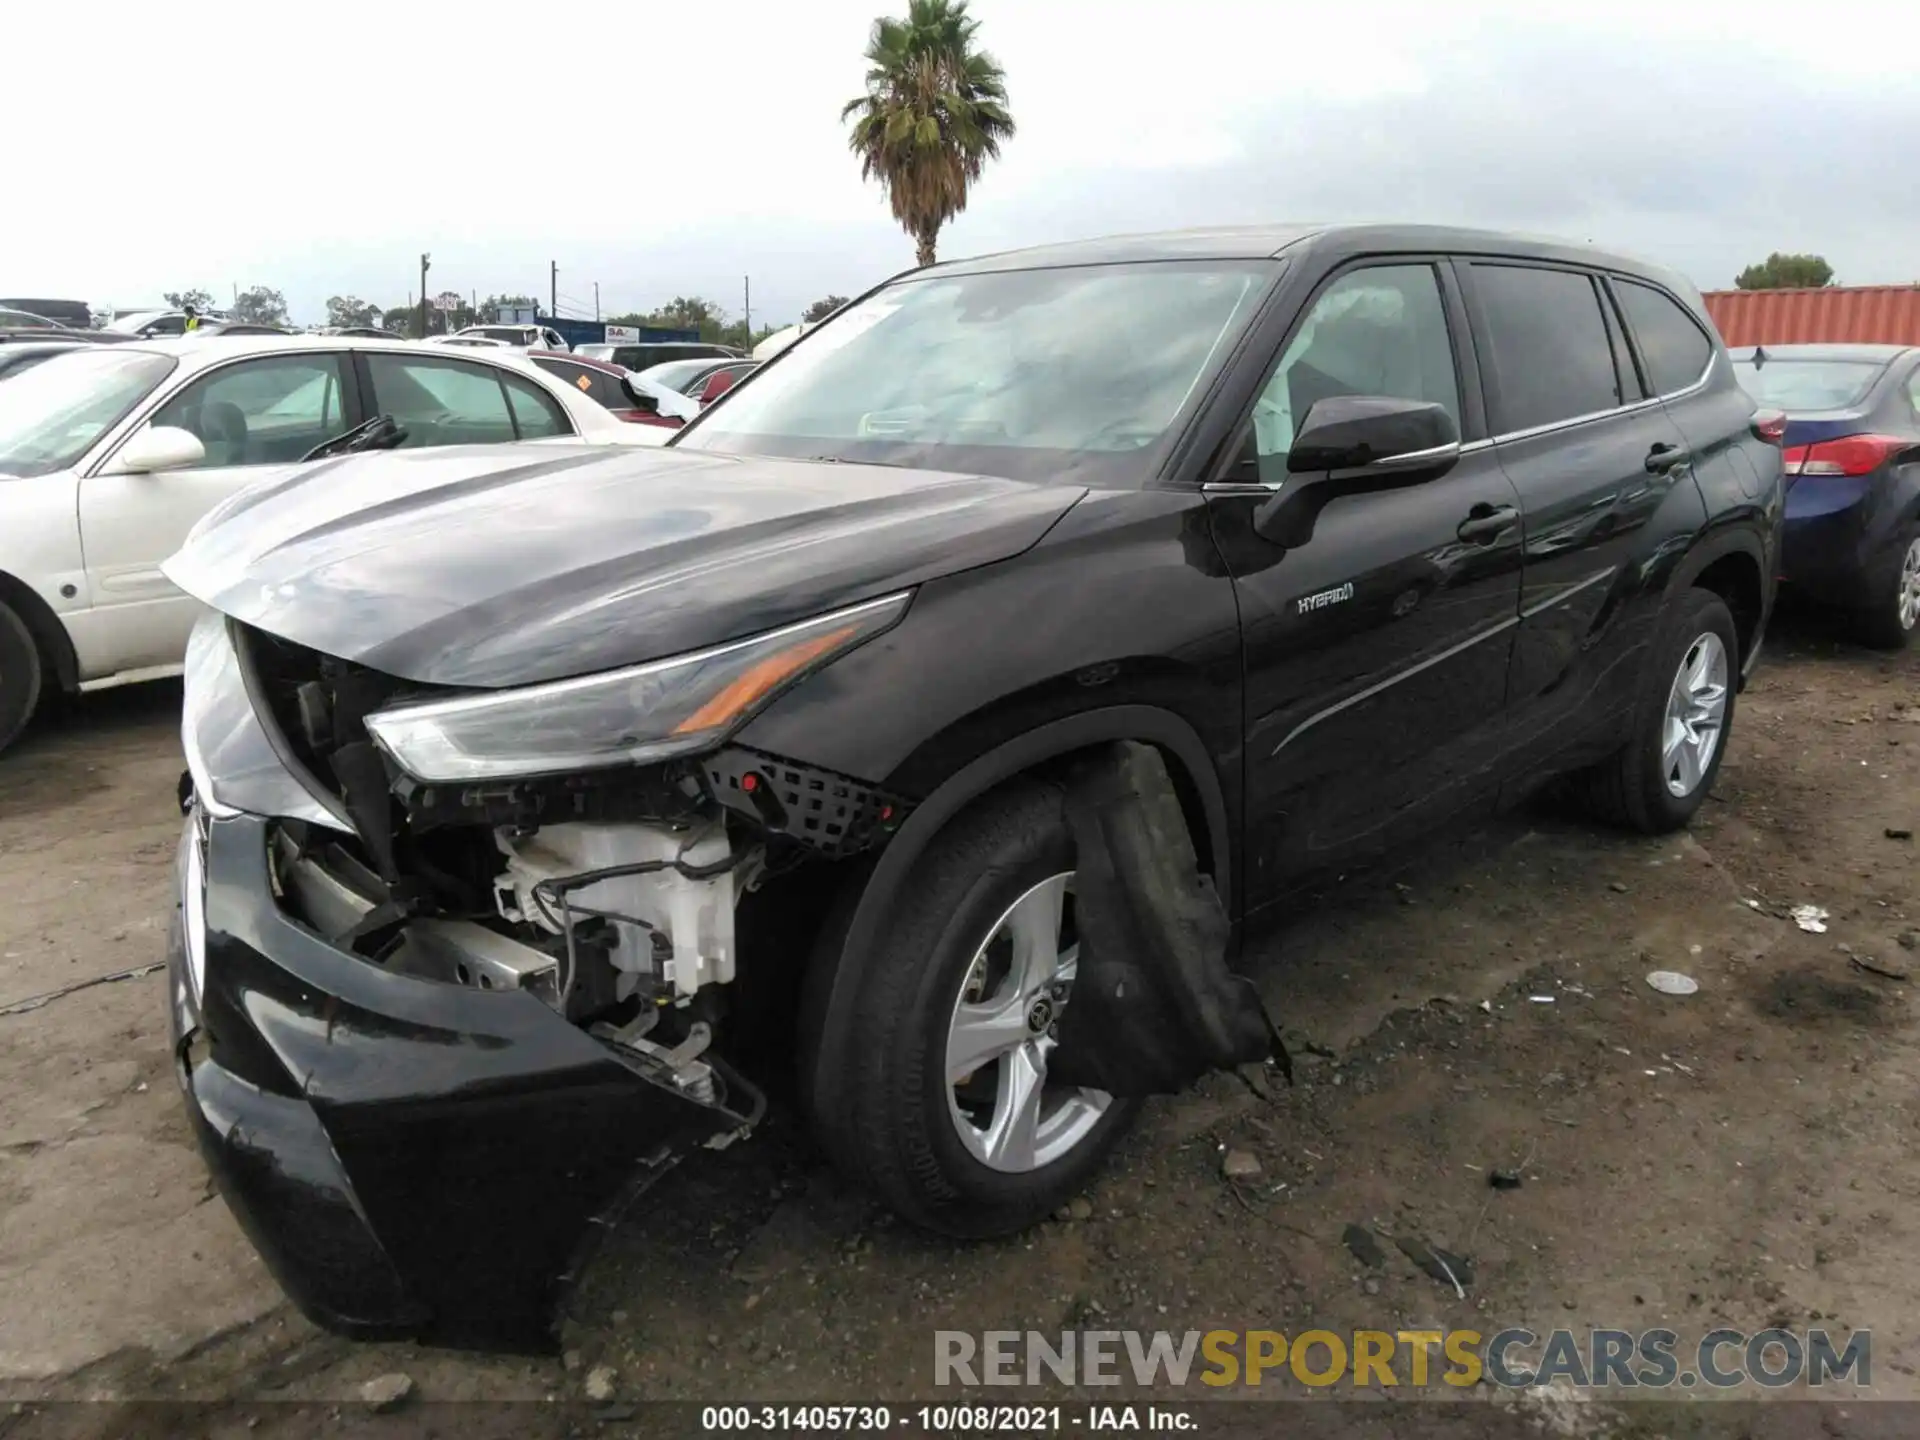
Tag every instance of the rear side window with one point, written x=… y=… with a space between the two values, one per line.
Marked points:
x=597 y=385
x=1673 y=348
x=1550 y=352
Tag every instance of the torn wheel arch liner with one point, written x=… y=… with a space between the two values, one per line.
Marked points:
x=837 y=971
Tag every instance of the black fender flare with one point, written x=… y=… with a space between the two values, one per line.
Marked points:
x=1717 y=544
x=838 y=964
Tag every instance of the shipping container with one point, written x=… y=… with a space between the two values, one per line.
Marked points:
x=1832 y=315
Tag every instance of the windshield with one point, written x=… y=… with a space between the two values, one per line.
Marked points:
x=1808 y=384
x=52 y=415
x=1027 y=373
x=676 y=374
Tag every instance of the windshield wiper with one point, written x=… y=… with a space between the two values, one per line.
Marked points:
x=380 y=433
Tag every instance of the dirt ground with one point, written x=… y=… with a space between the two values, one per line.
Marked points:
x=1742 y=1156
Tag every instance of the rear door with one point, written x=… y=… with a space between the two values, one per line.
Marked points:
x=1376 y=653
x=1679 y=362
x=255 y=417
x=439 y=400
x=1605 y=481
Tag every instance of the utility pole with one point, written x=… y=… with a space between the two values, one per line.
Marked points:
x=553 y=287
x=746 y=286
x=596 y=302
x=426 y=264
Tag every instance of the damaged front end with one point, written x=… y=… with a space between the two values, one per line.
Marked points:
x=451 y=970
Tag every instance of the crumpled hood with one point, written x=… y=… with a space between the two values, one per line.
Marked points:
x=500 y=565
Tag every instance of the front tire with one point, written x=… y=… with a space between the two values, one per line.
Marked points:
x=950 y=1116
x=1892 y=613
x=1681 y=723
x=20 y=676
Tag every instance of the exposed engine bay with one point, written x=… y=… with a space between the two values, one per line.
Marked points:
x=610 y=895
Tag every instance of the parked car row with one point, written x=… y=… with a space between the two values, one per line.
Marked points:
x=110 y=454
x=1853 y=476
x=540 y=800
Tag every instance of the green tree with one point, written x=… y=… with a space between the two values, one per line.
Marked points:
x=820 y=309
x=690 y=312
x=179 y=299
x=260 y=305
x=934 y=113
x=399 y=318
x=351 y=310
x=490 y=307
x=1786 y=272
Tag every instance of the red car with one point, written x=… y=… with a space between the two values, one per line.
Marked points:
x=623 y=393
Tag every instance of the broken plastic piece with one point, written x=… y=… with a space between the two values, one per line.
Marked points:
x=1810 y=918
x=1154 y=1005
x=1672 y=982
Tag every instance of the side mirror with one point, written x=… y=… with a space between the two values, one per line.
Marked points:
x=1356 y=445
x=160 y=447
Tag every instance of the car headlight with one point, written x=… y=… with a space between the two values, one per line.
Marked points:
x=638 y=715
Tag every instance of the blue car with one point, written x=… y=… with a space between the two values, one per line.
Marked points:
x=1853 y=476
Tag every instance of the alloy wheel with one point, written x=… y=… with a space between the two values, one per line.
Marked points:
x=1696 y=715
x=1004 y=1027
x=1908 y=596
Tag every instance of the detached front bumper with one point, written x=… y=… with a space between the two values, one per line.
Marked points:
x=409 y=1157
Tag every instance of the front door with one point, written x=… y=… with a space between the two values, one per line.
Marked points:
x=254 y=417
x=1376 y=653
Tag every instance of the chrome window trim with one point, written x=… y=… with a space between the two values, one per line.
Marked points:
x=1593 y=415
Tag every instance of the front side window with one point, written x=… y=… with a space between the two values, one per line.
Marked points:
x=1550 y=352
x=1378 y=331
x=52 y=414
x=1673 y=348
x=1079 y=371
x=261 y=412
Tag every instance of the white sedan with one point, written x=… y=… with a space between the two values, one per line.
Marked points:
x=109 y=455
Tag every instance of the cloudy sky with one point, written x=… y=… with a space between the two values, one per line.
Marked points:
x=319 y=149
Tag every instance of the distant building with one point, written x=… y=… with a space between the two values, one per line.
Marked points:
x=1831 y=315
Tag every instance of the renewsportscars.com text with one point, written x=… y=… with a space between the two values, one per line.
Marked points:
x=1514 y=1358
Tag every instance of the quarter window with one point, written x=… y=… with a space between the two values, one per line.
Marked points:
x=1379 y=331
x=261 y=412
x=534 y=411
x=1672 y=347
x=1551 y=357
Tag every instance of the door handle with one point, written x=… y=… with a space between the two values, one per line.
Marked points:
x=1664 y=457
x=1486 y=522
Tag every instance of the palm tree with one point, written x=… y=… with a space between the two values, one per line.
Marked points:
x=934 y=113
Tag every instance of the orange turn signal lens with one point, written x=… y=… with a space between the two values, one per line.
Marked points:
x=752 y=685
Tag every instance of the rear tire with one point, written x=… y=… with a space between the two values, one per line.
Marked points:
x=1889 y=619
x=20 y=676
x=945 y=960
x=1661 y=776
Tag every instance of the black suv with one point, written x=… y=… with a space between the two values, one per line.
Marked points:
x=537 y=794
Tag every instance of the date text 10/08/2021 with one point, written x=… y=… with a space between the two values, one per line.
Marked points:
x=948 y=1419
